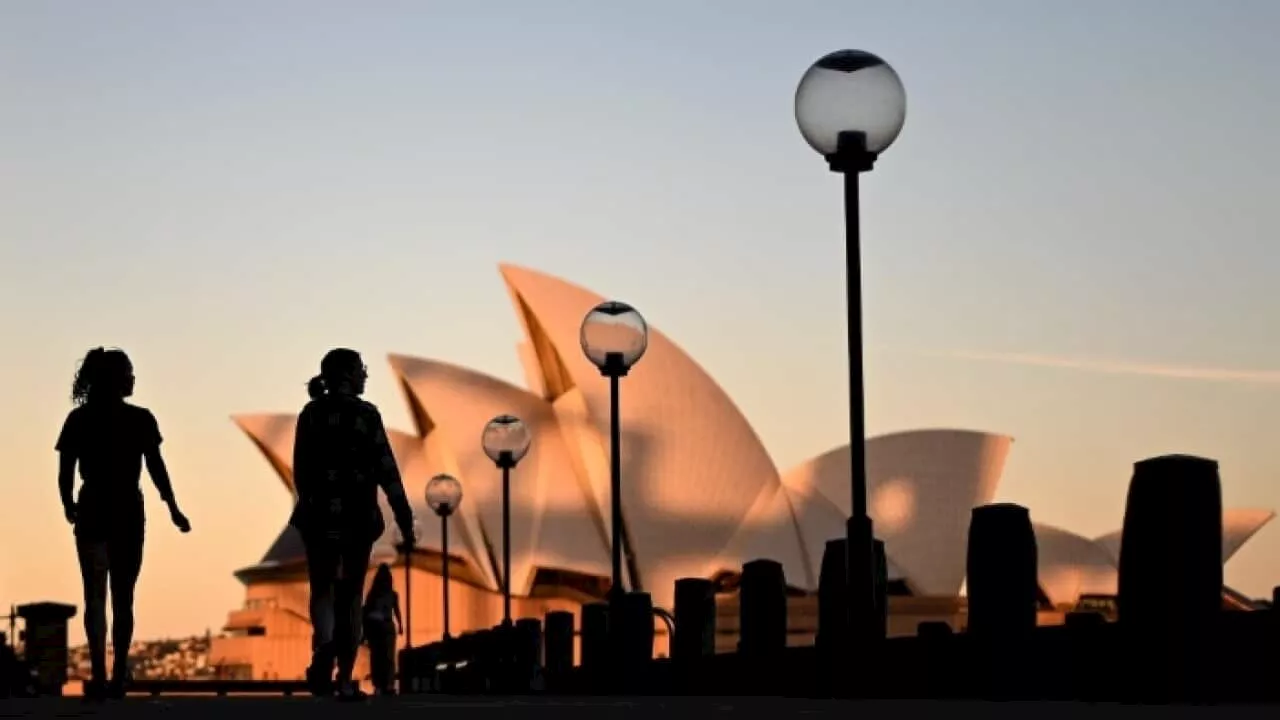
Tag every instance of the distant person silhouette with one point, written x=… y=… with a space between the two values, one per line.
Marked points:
x=109 y=439
x=381 y=625
x=341 y=457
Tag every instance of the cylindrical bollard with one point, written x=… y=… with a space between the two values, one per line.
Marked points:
x=881 y=561
x=528 y=652
x=636 y=633
x=1002 y=571
x=595 y=636
x=695 y=618
x=762 y=610
x=833 y=599
x=1171 y=544
x=558 y=643
x=1171 y=571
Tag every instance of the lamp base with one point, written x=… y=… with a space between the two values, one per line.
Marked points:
x=864 y=624
x=851 y=155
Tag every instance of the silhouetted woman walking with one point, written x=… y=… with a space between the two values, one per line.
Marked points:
x=381 y=625
x=109 y=439
x=341 y=457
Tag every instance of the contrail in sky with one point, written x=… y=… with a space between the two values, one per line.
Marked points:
x=1124 y=367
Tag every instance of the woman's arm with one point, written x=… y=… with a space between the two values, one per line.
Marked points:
x=68 y=447
x=159 y=473
x=67 y=483
x=160 y=476
x=150 y=439
x=395 y=608
x=389 y=475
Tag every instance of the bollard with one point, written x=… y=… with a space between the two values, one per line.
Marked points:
x=762 y=610
x=833 y=600
x=595 y=636
x=45 y=645
x=486 y=654
x=528 y=654
x=558 y=643
x=1171 y=574
x=695 y=616
x=1002 y=571
x=635 y=636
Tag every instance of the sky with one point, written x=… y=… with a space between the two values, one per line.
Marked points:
x=1070 y=242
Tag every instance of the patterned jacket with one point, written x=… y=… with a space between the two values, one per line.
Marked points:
x=341 y=457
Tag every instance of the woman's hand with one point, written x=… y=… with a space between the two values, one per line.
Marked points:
x=179 y=520
x=70 y=511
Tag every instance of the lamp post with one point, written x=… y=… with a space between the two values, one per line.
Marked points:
x=444 y=494
x=614 y=337
x=405 y=545
x=850 y=106
x=506 y=440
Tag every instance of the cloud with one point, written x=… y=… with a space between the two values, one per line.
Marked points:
x=1126 y=367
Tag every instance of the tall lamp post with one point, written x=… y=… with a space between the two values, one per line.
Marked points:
x=444 y=495
x=850 y=106
x=614 y=337
x=405 y=545
x=506 y=440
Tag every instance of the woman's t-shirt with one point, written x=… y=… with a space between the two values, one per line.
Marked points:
x=108 y=441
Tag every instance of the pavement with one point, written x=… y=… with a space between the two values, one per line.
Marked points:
x=595 y=708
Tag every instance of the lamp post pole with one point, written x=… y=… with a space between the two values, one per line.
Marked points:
x=614 y=337
x=851 y=159
x=850 y=106
x=506 y=462
x=444 y=494
x=444 y=568
x=615 y=370
x=506 y=440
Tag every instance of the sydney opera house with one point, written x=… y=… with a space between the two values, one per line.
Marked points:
x=701 y=496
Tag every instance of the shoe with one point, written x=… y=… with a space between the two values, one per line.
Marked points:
x=350 y=691
x=319 y=683
x=118 y=687
x=95 y=691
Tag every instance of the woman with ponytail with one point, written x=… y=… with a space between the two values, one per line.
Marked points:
x=340 y=458
x=109 y=439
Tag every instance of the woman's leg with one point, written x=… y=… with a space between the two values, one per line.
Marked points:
x=348 y=608
x=93 y=558
x=124 y=555
x=389 y=655
x=377 y=662
x=322 y=563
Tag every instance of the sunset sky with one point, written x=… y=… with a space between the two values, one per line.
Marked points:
x=1072 y=241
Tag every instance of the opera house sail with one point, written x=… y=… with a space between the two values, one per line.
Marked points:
x=701 y=496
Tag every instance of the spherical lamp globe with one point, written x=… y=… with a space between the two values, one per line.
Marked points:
x=506 y=440
x=444 y=494
x=614 y=336
x=850 y=92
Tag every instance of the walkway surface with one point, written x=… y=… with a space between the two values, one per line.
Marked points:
x=474 y=708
